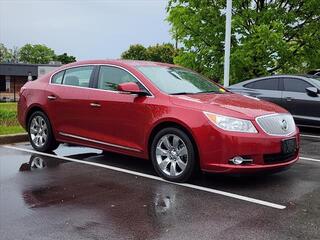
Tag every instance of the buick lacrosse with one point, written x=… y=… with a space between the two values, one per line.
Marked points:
x=173 y=116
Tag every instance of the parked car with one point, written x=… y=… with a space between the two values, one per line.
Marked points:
x=315 y=72
x=171 y=115
x=300 y=95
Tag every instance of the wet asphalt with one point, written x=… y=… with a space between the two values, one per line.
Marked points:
x=46 y=197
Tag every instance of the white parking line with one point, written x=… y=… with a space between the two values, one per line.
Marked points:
x=310 y=159
x=310 y=136
x=210 y=190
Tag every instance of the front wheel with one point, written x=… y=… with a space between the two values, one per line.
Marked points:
x=40 y=133
x=173 y=155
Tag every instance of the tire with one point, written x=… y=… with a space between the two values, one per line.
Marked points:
x=40 y=133
x=175 y=159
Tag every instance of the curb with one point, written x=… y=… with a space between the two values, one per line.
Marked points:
x=13 y=138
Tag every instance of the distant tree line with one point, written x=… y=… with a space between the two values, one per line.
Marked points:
x=33 y=54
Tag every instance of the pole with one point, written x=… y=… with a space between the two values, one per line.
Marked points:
x=14 y=88
x=227 y=44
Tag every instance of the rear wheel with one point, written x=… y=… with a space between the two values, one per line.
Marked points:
x=173 y=155
x=40 y=133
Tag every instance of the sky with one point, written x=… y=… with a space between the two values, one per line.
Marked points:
x=86 y=29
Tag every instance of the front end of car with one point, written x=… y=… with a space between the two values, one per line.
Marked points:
x=234 y=145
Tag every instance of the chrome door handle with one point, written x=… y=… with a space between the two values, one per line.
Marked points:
x=51 y=97
x=95 y=105
x=289 y=99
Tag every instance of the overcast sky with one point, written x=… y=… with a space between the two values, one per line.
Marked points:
x=87 y=29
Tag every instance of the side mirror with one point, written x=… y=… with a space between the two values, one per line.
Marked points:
x=131 y=87
x=312 y=91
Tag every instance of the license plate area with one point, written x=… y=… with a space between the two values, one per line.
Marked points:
x=288 y=146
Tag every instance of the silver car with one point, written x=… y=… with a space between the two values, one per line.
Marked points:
x=299 y=94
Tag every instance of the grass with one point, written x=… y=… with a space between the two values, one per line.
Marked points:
x=8 y=119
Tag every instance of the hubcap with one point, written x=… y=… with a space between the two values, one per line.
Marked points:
x=172 y=155
x=38 y=131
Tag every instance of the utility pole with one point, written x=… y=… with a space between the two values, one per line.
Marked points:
x=227 y=44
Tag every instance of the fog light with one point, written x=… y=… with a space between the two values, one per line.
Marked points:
x=237 y=160
x=240 y=160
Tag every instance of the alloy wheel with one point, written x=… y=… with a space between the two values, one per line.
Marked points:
x=171 y=155
x=38 y=131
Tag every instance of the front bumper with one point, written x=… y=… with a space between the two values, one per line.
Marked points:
x=250 y=168
x=265 y=151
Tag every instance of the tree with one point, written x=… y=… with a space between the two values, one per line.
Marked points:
x=36 y=54
x=159 y=53
x=5 y=54
x=268 y=36
x=15 y=54
x=64 y=58
x=135 y=52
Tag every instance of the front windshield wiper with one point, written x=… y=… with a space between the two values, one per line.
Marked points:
x=209 y=92
x=181 y=93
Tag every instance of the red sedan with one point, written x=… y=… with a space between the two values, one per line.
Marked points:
x=171 y=115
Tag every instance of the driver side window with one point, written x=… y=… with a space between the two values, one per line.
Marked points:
x=111 y=77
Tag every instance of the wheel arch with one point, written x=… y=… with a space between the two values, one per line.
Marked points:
x=33 y=109
x=172 y=123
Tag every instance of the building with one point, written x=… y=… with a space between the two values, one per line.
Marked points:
x=14 y=75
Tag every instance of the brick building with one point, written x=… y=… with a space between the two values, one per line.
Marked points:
x=14 y=75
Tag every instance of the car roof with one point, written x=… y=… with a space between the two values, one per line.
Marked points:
x=307 y=77
x=121 y=62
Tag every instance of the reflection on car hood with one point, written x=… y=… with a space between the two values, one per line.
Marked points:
x=229 y=104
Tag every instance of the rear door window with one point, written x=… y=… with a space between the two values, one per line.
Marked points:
x=265 y=84
x=78 y=76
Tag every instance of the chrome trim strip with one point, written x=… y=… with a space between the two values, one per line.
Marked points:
x=300 y=117
x=99 y=142
x=274 y=114
x=309 y=126
x=97 y=64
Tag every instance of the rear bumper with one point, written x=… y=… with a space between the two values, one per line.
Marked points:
x=21 y=111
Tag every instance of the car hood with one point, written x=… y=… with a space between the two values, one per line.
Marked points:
x=229 y=104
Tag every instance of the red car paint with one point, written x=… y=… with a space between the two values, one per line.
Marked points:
x=126 y=121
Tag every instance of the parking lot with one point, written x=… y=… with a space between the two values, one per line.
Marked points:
x=80 y=193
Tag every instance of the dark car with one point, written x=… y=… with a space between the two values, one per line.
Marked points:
x=300 y=95
x=315 y=72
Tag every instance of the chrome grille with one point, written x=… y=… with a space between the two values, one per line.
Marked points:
x=277 y=124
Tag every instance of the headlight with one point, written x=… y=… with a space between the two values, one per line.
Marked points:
x=231 y=124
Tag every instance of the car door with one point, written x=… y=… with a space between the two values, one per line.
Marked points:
x=118 y=118
x=305 y=108
x=267 y=89
x=68 y=103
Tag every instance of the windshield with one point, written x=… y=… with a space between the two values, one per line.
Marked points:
x=315 y=79
x=175 y=80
